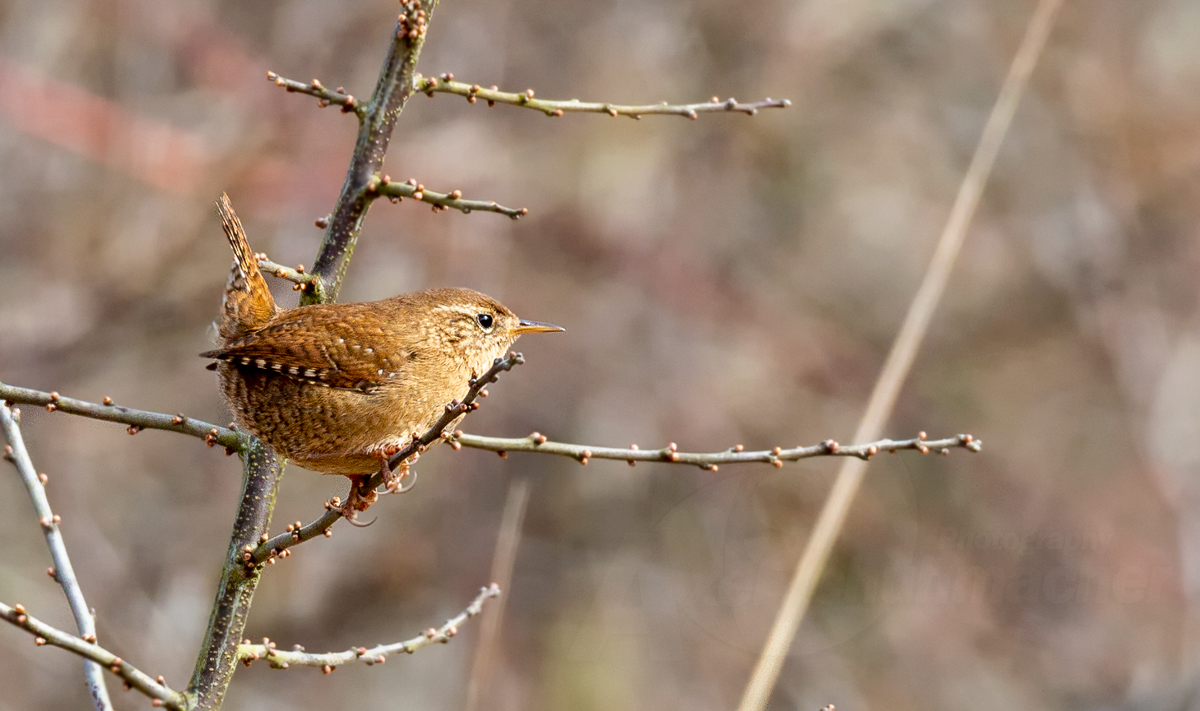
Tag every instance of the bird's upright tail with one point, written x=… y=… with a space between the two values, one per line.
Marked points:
x=248 y=303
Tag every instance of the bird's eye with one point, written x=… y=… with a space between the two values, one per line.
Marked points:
x=485 y=320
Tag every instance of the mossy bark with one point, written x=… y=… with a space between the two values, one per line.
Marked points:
x=262 y=473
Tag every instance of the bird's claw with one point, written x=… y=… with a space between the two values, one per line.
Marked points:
x=392 y=479
x=393 y=485
x=358 y=500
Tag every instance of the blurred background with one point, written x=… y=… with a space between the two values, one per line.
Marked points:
x=728 y=280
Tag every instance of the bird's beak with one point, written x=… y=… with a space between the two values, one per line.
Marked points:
x=524 y=326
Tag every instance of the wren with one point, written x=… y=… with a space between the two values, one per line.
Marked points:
x=339 y=388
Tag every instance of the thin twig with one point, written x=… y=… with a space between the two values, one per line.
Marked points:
x=62 y=572
x=267 y=549
x=279 y=271
x=473 y=92
x=302 y=281
x=503 y=561
x=328 y=661
x=45 y=634
x=325 y=96
x=452 y=412
x=537 y=443
x=899 y=361
x=444 y=201
x=137 y=420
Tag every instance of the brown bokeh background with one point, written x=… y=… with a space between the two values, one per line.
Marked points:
x=728 y=280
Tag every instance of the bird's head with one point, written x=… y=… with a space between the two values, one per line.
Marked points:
x=476 y=327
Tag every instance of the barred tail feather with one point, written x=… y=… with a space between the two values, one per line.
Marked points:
x=248 y=303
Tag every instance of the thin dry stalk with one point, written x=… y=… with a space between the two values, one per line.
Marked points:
x=503 y=561
x=895 y=370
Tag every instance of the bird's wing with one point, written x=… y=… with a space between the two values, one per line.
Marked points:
x=340 y=346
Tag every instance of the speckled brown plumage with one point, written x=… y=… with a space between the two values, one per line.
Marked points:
x=338 y=387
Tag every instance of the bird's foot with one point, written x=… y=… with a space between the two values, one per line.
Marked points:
x=392 y=479
x=358 y=500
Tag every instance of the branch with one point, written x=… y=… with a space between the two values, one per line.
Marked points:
x=250 y=653
x=137 y=420
x=263 y=469
x=215 y=664
x=452 y=412
x=537 y=443
x=62 y=571
x=326 y=97
x=378 y=119
x=444 y=201
x=269 y=548
x=156 y=689
x=447 y=85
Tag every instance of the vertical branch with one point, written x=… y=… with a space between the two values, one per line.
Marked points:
x=361 y=186
x=263 y=469
x=62 y=571
x=262 y=473
x=899 y=361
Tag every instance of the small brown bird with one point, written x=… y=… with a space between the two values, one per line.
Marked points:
x=339 y=388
